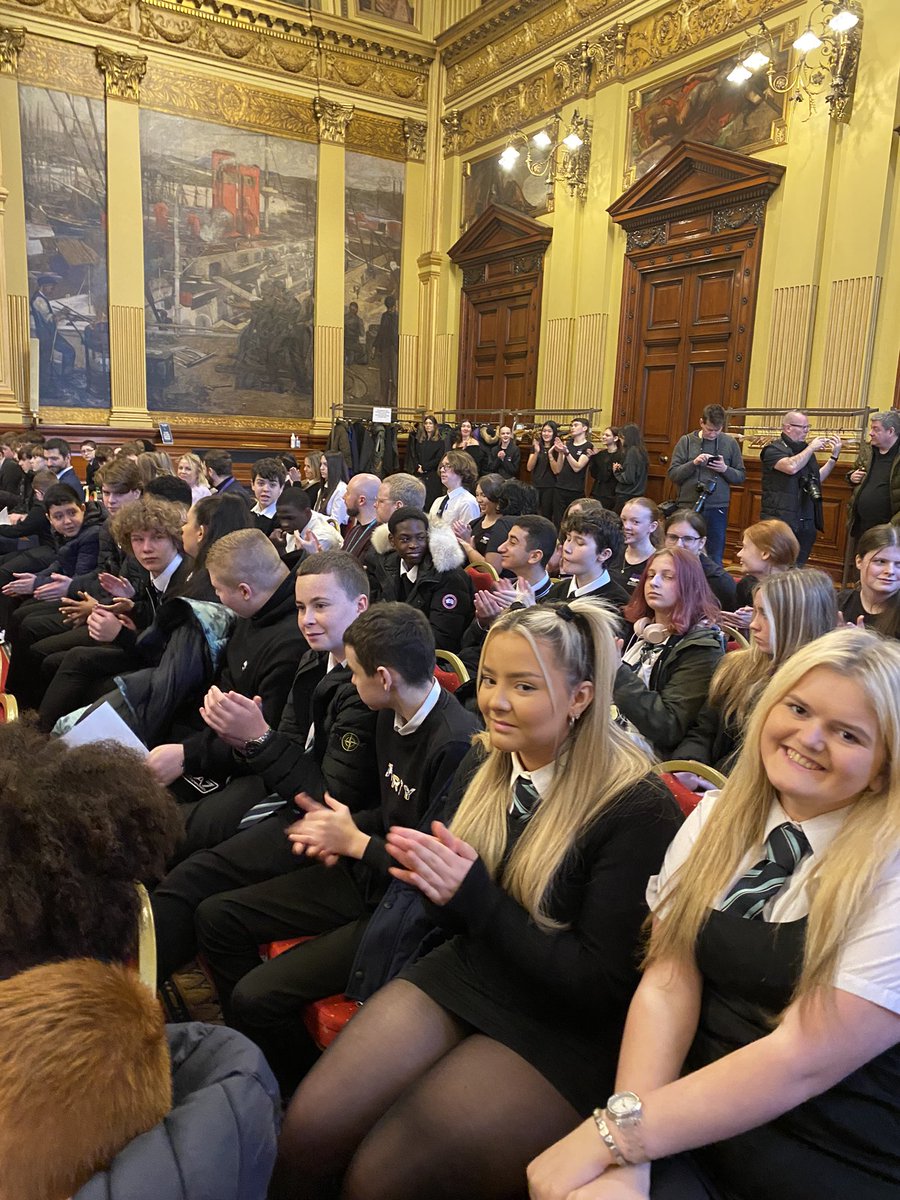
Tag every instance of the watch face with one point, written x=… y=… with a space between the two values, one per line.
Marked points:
x=624 y=1104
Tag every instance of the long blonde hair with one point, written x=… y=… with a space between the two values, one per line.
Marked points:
x=800 y=606
x=601 y=761
x=843 y=879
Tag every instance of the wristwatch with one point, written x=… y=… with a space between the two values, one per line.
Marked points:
x=626 y=1112
x=251 y=748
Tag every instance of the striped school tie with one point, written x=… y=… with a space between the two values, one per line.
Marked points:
x=264 y=808
x=525 y=798
x=786 y=846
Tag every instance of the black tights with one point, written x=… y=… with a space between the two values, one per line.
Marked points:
x=410 y=1103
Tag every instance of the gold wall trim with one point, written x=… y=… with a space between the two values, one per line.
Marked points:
x=408 y=371
x=17 y=323
x=369 y=133
x=64 y=66
x=790 y=346
x=849 y=340
x=328 y=370
x=51 y=414
x=315 y=54
x=590 y=354
x=122 y=73
x=206 y=421
x=12 y=39
x=128 y=371
x=174 y=90
x=114 y=14
x=557 y=354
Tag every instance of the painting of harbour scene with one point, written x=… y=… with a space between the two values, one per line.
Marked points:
x=64 y=178
x=373 y=217
x=229 y=267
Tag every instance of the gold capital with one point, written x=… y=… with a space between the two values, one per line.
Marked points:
x=12 y=39
x=452 y=124
x=414 y=135
x=333 y=119
x=122 y=73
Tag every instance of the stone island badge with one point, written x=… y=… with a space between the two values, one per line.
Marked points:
x=349 y=742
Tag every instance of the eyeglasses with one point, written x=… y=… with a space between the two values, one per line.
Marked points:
x=797 y=425
x=674 y=539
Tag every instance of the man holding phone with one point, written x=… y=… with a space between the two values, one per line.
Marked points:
x=705 y=466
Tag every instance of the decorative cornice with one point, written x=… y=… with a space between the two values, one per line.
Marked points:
x=115 y=14
x=370 y=133
x=46 y=62
x=332 y=119
x=122 y=73
x=12 y=39
x=173 y=90
x=414 y=133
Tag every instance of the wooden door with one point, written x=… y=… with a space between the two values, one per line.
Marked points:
x=689 y=317
x=502 y=260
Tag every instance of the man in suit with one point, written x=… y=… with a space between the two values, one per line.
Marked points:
x=58 y=456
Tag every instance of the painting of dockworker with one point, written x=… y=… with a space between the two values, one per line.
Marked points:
x=703 y=106
x=372 y=240
x=229 y=267
x=64 y=178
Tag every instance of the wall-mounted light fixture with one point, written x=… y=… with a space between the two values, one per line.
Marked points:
x=827 y=58
x=546 y=153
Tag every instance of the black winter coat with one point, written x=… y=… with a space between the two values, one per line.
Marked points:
x=445 y=597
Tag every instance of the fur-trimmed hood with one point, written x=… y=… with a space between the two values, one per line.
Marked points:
x=446 y=552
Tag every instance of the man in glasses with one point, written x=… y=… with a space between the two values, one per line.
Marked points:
x=792 y=479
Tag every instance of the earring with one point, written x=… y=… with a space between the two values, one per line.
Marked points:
x=572 y=720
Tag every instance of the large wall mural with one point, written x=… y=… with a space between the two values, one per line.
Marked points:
x=373 y=234
x=64 y=178
x=229 y=263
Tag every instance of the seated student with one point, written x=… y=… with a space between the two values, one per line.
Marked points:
x=398 y=491
x=494 y=1043
x=163 y=1105
x=298 y=530
x=34 y=525
x=529 y=546
x=329 y=501
x=76 y=532
x=190 y=469
x=480 y=540
x=58 y=458
x=423 y=568
x=116 y=825
x=687 y=529
x=458 y=473
x=148 y=530
x=218 y=467
x=877 y=602
x=259 y=659
x=789 y=610
x=664 y=677
x=772 y=982
x=274 y=760
x=767 y=548
x=642 y=533
x=11 y=474
x=421 y=736
x=171 y=488
x=590 y=543
x=267 y=476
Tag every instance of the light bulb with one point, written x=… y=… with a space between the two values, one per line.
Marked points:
x=508 y=158
x=807 y=41
x=755 y=60
x=739 y=74
x=572 y=141
x=843 y=19
x=542 y=139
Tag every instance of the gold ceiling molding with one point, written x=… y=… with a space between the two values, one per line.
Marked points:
x=12 y=39
x=122 y=73
x=370 y=133
x=65 y=66
x=227 y=423
x=209 y=28
x=113 y=13
x=618 y=52
x=174 y=91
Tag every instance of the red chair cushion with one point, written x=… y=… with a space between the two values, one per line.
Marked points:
x=686 y=800
x=324 y=1019
x=4 y=665
x=481 y=581
x=448 y=681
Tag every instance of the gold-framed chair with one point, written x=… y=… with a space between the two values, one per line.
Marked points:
x=448 y=661
x=486 y=569
x=146 y=957
x=9 y=708
x=733 y=634
x=673 y=765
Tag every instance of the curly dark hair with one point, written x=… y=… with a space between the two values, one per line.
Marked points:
x=78 y=827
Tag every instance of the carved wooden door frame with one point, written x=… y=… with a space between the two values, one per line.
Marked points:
x=698 y=204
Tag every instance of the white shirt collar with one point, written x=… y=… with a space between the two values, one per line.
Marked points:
x=542 y=778
x=404 y=728
x=593 y=586
x=265 y=512
x=543 y=582
x=457 y=491
x=164 y=578
x=411 y=573
x=820 y=831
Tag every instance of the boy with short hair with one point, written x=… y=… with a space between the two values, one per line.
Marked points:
x=298 y=530
x=592 y=540
x=267 y=479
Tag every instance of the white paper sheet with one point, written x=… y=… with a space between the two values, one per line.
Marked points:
x=104 y=725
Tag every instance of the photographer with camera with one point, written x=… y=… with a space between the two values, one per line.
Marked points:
x=705 y=466
x=792 y=479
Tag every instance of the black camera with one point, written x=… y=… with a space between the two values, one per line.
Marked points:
x=810 y=485
x=704 y=491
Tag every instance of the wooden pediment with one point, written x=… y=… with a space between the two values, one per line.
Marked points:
x=499 y=233
x=694 y=178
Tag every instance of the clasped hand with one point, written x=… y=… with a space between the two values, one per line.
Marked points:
x=235 y=718
x=574 y=1168
x=436 y=863
x=326 y=831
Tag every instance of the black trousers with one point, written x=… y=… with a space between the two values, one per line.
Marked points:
x=37 y=631
x=215 y=818
x=78 y=676
x=561 y=501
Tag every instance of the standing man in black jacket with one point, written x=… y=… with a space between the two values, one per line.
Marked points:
x=792 y=479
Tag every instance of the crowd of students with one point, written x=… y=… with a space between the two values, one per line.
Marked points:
x=477 y=863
